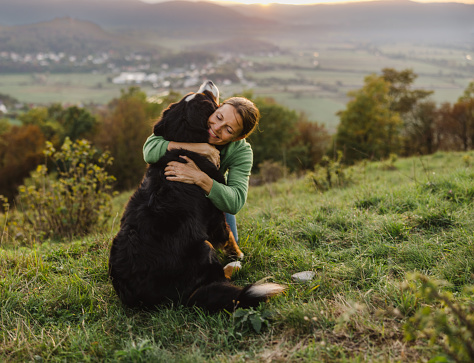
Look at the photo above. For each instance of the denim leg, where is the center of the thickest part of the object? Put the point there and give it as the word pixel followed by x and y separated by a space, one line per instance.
pixel 232 222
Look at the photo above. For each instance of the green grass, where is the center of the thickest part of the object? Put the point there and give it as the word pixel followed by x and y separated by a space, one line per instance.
pixel 57 303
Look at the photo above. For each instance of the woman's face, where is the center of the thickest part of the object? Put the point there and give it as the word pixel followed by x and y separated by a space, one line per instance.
pixel 225 125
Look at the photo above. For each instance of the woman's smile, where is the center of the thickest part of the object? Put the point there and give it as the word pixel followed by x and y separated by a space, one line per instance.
pixel 225 125
pixel 212 134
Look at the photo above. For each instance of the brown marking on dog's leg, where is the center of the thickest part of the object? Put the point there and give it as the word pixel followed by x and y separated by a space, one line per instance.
pixel 230 268
pixel 231 247
pixel 209 244
pixel 211 250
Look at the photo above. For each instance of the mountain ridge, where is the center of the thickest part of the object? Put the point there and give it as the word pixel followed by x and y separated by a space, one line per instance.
pixel 360 21
pixel 69 35
pixel 128 13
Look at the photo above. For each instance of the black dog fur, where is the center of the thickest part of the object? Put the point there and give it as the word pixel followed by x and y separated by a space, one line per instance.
pixel 164 251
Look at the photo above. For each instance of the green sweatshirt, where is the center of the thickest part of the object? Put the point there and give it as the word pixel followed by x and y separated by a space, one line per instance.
pixel 236 163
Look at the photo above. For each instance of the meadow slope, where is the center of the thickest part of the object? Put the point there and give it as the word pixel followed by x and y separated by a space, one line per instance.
pixel 362 241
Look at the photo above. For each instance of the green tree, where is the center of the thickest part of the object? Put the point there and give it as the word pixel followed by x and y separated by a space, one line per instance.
pixel 57 123
pixel 77 123
pixel 123 130
pixel 5 125
pixel 273 138
pixel 410 103
pixel 368 127
pixel 50 128
pixel 309 145
pixel 466 103
pixel 422 129
pixel 456 122
pixel 403 97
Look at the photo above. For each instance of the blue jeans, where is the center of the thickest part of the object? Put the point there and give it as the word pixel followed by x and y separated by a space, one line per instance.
pixel 232 222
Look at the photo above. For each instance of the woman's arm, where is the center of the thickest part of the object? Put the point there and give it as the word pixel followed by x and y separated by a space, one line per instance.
pixel 156 146
pixel 231 197
pixel 237 158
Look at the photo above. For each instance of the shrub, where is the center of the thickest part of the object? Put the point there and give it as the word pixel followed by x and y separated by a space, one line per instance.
pixel 329 174
pixel 444 321
pixel 271 171
pixel 389 163
pixel 74 203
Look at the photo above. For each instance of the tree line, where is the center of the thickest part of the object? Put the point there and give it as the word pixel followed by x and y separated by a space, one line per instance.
pixel 389 116
pixel 386 116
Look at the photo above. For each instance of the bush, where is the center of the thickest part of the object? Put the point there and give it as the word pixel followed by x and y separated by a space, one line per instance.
pixel 329 174
pixel 73 204
pixel 443 321
pixel 271 171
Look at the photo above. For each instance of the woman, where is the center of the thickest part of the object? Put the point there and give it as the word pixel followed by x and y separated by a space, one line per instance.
pixel 227 148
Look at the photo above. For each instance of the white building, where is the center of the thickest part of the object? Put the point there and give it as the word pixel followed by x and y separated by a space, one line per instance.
pixel 130 78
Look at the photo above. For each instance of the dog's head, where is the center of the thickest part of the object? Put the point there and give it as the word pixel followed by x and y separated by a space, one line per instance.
pixel 186 120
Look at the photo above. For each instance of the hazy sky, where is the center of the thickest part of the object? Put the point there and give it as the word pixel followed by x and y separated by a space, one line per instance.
pixel 265 2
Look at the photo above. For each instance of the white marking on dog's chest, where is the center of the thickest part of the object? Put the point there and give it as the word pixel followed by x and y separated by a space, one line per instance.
pixel 190 97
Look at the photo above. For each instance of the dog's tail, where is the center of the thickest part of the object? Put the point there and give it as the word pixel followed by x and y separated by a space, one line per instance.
pixel 223 295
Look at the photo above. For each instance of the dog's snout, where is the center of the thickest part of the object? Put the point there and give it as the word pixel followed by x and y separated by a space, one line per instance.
pixel 211 87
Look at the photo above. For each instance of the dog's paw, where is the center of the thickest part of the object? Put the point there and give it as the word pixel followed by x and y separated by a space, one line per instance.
pixel 231 267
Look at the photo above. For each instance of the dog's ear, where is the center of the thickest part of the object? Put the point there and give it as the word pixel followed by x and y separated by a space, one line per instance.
pixel 170 119
pixel 198 112
pixel 159 128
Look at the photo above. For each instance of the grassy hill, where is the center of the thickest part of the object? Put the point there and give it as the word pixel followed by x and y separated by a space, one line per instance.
pixel 68 35
pixel 362 241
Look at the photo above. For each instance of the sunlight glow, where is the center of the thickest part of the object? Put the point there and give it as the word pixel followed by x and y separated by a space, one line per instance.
pixel 305 2
pixel 310 2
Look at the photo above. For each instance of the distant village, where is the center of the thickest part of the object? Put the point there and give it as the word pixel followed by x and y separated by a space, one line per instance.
pixel 133 68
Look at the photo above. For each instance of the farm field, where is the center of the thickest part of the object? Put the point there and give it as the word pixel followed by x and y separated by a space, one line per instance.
pixel 313 78
pixel 72 88
pixel 363 242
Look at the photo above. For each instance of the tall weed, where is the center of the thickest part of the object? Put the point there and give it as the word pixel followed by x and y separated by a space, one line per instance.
pixel 330 174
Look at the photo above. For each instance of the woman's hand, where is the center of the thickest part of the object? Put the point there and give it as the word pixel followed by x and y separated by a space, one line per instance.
pixel 207 150
pixel 212 154
pixel 188 173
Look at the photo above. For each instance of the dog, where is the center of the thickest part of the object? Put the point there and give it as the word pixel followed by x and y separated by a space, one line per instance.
pixel 165 250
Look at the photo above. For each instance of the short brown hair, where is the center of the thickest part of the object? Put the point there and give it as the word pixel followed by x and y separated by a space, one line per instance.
pixel 247 111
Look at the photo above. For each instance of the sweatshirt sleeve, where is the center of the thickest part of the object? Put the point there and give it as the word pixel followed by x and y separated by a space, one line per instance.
pixel 154 148
pixel 231 198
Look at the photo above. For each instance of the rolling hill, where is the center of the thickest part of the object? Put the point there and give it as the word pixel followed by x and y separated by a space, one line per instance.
pixel 367 21
pixel 177 15
pixel 67 35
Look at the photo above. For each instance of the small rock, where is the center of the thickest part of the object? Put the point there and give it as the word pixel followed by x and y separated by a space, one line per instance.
pixel 304 276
